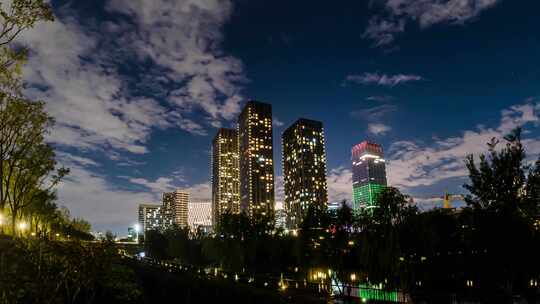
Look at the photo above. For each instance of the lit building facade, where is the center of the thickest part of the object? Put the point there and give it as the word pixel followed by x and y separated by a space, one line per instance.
pixel 334 206
pixel 304 169
pixel 369 174
pixel 225 174
pixel 256 159
pixel 199 215
pixel 150 217
pixel 281 219
pixel 175 208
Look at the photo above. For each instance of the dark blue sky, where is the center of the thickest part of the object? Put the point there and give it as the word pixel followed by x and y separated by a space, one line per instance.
pixel 139 87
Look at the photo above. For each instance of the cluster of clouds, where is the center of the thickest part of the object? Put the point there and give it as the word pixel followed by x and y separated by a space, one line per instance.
pixel 106 205
pixel 374 115
pixel 413 164
pixel 378 128
pixel 109 85
pixel 383 79
pixel 396 14
pixel 77 69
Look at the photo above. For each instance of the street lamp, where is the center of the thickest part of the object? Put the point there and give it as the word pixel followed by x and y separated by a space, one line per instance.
pixel 22 226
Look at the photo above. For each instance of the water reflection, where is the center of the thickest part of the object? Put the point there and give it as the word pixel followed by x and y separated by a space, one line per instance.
pixel 318 281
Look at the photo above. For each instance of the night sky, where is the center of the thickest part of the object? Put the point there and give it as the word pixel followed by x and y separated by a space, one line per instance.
pixel 138 88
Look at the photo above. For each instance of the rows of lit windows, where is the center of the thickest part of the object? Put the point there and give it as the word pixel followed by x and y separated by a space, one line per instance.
pixel 226 184
pixel 257 170
pixel 304 168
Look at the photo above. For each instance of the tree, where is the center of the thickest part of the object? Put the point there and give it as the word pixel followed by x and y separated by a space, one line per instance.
pixel 25 160
pixel 393 208
pixel 532 191
pixel 499 183
pixel 155 244
pixel 504 200
pixel 17 16
pixel 344 217
pixel 81 225
pixel 42 211
pixel 380 238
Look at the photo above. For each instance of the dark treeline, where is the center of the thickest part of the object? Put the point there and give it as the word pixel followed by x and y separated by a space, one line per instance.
pixel 43 271
pixel 489 249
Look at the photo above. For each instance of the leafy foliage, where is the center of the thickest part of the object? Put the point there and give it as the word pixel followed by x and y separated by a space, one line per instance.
pixel 37 271
pixel 28 170
pixel 17 16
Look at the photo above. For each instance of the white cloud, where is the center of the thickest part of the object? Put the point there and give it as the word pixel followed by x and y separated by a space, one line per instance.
pixel 383 98
pixel 374 113
pixel 75 69
pixel 85 99
pixel 413 164
pixel 383 31
pixel 202 191
pixel 383 79
pixel 90 195
pixel 63 157
pixel 160 185
pixel 339 182
pixel 277 123
pixel 383 28
pixel 378 128
pixel 183 38
pixel 179 74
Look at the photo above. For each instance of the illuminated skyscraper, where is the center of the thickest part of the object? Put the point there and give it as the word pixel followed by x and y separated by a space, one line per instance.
pixel 199 215
pixel 281 218
pixel 150 217
pixel 256 159
pixel 369 174
pixel 175 207
pixel 304 169
pixel 225 174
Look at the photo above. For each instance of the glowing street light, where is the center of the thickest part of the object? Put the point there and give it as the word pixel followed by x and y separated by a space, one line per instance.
pixel 22 226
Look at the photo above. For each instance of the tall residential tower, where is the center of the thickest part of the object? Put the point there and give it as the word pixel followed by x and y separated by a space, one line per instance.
pixel 369 174
pixel 256 159
pixel 175 207
pixel 225 174
pixel 304 169
pixel 150 217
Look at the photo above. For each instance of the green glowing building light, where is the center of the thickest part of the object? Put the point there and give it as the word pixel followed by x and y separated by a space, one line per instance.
pixel 366 195
pixel 378 294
